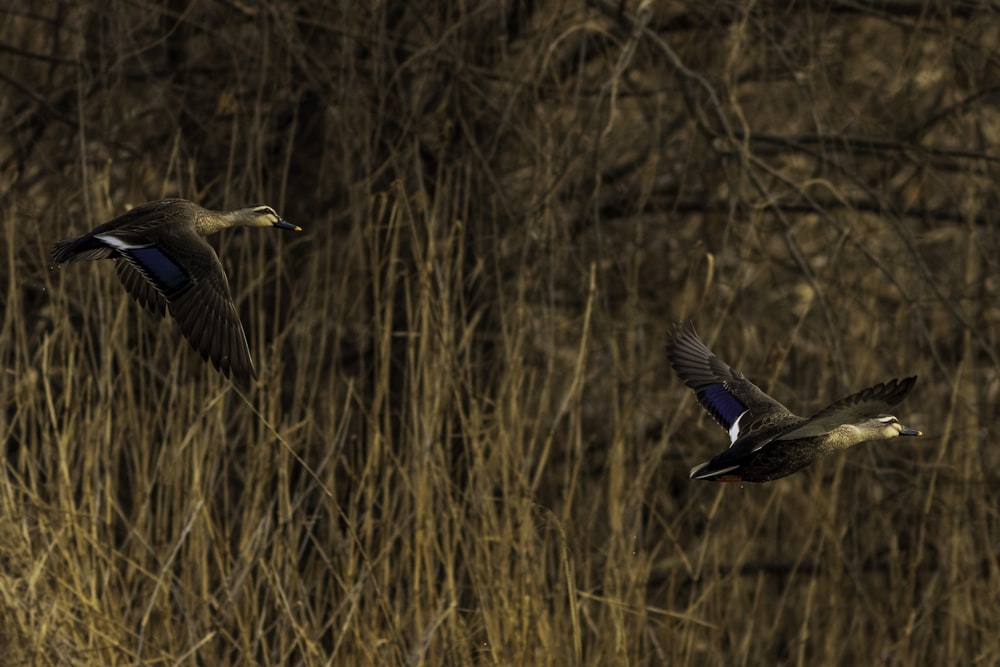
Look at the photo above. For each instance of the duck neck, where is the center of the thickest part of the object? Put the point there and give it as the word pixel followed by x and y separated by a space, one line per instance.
pixel 842 437
pixel 209 222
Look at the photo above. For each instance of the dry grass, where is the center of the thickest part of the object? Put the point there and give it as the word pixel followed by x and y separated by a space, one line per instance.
pixel 466 446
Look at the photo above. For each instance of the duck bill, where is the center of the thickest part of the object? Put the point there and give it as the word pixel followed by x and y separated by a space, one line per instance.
pixel 910 431
pixel 284 224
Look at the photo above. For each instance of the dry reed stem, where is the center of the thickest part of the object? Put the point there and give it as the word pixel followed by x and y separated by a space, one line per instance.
pixel 466 446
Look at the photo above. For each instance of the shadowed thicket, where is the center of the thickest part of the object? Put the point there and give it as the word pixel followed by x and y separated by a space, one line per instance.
pixel 466 445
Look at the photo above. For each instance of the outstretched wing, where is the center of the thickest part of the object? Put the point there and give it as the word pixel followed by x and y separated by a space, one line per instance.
pixel 732 400
pixel 865 404
pixel 141 289
pixel 182 272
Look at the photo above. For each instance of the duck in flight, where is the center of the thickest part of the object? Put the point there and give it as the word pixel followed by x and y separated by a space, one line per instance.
pixel 768 441
pixel 165 263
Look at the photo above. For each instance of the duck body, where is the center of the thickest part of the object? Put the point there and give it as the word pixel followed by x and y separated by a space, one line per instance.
pixel 767 440
pixel 164 262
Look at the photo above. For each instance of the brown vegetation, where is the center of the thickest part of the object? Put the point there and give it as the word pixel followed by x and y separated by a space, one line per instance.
pixel 466 446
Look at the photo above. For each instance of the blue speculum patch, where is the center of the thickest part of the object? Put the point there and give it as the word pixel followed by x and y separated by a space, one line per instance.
pixel 721 404
pixel 166 274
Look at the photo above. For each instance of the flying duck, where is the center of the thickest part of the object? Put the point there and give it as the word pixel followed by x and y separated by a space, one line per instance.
pixel 768 441
pixel 165 263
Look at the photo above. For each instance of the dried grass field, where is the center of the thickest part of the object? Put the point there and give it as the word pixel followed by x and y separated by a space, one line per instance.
pixel 466 445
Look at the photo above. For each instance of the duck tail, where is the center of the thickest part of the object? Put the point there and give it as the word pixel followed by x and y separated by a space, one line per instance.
pixel 81 248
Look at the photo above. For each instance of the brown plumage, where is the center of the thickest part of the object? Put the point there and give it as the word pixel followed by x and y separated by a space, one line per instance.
pixel 165 263
pixel 768 441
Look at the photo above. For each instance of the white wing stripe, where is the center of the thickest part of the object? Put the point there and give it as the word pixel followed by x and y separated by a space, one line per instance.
pixel 734 430
pixel 117 243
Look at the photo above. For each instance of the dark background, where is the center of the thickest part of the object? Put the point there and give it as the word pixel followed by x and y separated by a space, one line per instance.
pixel 466 445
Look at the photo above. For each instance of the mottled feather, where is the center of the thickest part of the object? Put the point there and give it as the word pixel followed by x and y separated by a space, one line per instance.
pixel 164 262
pixel 768 441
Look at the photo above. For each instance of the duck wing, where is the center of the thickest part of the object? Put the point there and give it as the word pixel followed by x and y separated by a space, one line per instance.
pixel 733 401
pixel 867 403
pixel 137 226
pixel 141 289
pixel 173 267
